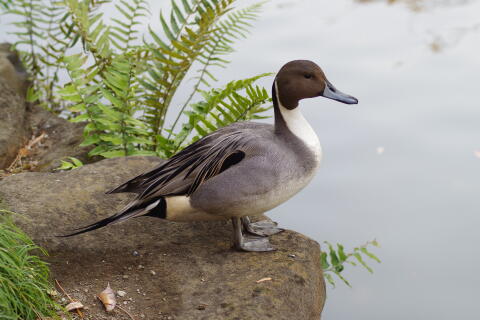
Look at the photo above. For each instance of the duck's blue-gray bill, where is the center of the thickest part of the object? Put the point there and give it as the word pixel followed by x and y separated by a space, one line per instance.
pixel 331 92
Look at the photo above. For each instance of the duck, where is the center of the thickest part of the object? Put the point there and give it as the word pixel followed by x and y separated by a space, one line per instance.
pixel 238 171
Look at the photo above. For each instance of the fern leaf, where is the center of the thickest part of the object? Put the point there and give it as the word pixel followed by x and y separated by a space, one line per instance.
pixel 222 107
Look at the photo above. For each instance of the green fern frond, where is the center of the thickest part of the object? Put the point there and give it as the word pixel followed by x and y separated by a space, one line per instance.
pixel 123 33
pixel 115 78
pixel 221 107
pixel 40 43
pixel 108 107
pixel 231 28
pixel 5 4
pixel 188 33
pixel 93 32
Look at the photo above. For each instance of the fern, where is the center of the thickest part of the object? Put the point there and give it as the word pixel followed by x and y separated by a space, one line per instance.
pixel 93 32
pixel 30 37
pixel 231 28
pixel 41 41
pixel 5 4
pixel 221 107
pixel 123 33
pixel 117 77
pixel 172 62
pixel 108 106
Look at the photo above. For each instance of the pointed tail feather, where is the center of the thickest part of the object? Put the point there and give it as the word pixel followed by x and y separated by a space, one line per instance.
pixel 155 208
pixel 126 187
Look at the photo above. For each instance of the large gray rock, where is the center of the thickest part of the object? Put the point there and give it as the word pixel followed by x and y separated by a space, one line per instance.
pixel 13 83
pixel 19 122
pixel 177 270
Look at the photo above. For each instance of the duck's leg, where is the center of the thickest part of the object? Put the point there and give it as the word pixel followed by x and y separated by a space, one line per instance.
pixel 262 228
pixel 248 242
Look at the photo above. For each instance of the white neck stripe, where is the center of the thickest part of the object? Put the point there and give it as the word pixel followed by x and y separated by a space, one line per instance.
pixel 299 126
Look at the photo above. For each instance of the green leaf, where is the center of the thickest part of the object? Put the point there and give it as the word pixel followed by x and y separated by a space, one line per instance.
pixel 65 165
pixel 166 28
pixel 369 254
pixel 80 118
pixel 76 162
pixel 91 139
pixel 341 253
pixel 114 139
pixel 113 154
pixel 329 279
pixel 324 260
pixel 360 260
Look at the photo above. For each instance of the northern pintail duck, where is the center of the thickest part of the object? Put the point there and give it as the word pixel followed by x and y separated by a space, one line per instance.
pixel 241 170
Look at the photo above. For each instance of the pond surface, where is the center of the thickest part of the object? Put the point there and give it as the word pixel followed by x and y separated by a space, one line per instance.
pixel 403 166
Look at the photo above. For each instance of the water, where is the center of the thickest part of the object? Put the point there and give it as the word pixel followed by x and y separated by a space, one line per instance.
pixel 416 74
pixel 403 165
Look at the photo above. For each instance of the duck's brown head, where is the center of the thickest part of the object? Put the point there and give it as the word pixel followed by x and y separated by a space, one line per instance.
pixel 301 79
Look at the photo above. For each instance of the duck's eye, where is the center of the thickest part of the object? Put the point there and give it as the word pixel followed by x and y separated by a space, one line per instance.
pixel 308 76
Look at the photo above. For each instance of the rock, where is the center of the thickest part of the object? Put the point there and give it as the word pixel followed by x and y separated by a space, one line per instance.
pixel 12 70
pixel 121 293
pixel 194 263
pixel 20 122
pixel 13 82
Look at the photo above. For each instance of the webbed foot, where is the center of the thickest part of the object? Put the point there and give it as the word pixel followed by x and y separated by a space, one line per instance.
pixel 249 242
pixel 262 228
pixel 252 243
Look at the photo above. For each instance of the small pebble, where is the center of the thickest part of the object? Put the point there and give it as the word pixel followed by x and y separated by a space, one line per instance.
pixel 140 266
pixel 153 272
pixel 86 290
pixel 135 253
pixel 125 277
pixel 121 293
pixel 292 256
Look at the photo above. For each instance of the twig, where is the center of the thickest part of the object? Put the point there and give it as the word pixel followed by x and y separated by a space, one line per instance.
pixel 128 313
pixel 70 298
pixel 25 150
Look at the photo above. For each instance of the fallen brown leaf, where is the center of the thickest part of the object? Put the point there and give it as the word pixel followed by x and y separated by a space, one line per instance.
pixel 68 296
pixel 74 306
pixel 107 297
